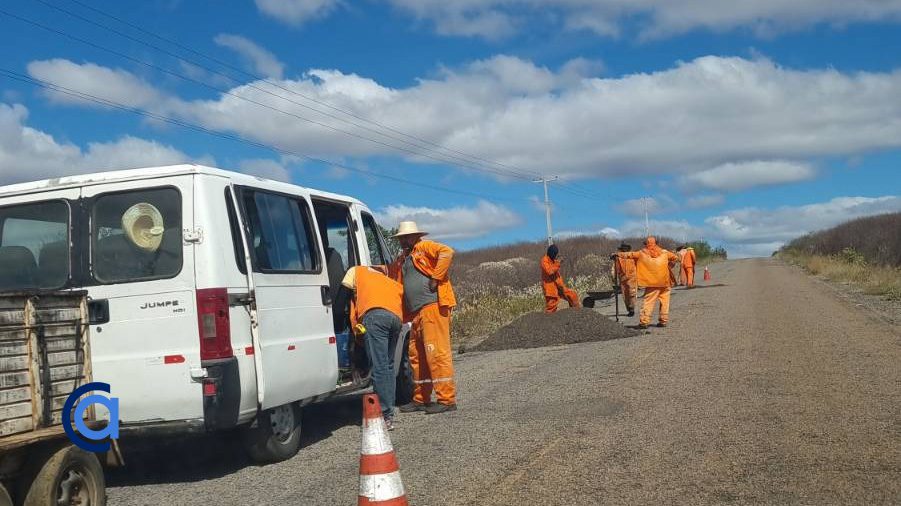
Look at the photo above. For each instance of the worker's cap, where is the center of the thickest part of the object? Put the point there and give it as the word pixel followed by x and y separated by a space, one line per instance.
pixel 408 228
pixel 625 247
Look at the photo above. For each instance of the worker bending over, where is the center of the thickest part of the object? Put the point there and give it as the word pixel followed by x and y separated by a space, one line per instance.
pixel 624 271
pixel 376 309
pixel 552 282
pixel 688 259
pixel 654 273
pixel 422 268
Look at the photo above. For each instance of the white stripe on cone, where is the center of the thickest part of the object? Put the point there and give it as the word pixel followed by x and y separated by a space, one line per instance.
pixel 381 487
pixel 375 437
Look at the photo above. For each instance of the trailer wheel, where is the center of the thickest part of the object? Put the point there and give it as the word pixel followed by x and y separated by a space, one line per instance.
pixel 69 476
pixel 404 383
pixel 276 437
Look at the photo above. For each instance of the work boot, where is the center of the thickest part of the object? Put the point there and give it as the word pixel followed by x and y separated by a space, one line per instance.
pixel 661 325
pixel 389 422
pixel 643 326
pixel 410 407
pixel 436 408
pixel 631 313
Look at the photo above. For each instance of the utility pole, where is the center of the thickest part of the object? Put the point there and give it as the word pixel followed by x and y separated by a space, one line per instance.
pixel 647 224
pixel 547 207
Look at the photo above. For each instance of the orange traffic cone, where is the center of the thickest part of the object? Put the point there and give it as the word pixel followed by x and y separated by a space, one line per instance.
pixel 706 273
pixel 379 473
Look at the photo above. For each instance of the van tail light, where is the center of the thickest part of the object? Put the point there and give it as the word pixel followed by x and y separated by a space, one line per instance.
pixel 213 324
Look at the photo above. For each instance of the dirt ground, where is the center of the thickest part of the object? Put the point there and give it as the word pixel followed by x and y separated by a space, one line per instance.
pixel 566 326
pixel 766 388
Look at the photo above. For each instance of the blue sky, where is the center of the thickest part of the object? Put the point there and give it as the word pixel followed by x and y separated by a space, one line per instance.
pixel 746 126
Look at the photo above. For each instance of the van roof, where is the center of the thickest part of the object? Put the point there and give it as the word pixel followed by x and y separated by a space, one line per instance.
pixel 118 176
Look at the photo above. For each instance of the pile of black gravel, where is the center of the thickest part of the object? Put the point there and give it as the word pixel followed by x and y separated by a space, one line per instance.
pixel 566 326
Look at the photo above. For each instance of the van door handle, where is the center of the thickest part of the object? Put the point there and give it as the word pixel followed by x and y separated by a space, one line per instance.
pixel 326 295
pixel 98 311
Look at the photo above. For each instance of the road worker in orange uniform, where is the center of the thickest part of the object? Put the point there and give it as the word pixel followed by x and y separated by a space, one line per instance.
pixel 625 271
pixel 688 259
pixel 422 268
pixel 552 282
pixel 654 272
pixel 376 309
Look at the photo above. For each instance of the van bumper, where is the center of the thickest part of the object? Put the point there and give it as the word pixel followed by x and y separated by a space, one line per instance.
pixel 222 400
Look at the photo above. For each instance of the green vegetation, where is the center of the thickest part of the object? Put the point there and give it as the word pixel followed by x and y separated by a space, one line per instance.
pixel 708 254
pixel 864 253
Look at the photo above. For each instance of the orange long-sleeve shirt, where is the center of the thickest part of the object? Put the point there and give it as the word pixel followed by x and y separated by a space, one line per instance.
pixel 652 272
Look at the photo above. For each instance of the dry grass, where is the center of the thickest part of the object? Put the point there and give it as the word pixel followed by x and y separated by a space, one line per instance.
pixel 850 268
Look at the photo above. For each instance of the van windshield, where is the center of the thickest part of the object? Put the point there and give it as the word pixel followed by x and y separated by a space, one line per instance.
pixel 34 246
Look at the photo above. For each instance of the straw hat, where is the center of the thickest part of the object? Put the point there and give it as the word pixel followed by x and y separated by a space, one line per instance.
pixel 408 228
pixel 143 225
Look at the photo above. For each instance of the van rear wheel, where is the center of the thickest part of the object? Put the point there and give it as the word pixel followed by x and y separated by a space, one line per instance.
pixel 276 436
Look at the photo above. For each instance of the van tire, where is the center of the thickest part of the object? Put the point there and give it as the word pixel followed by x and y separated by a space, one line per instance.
pixel 276 436
pixel 404 383
pixel 49 476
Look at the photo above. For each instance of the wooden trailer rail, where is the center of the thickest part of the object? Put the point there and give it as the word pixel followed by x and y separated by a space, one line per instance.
pixel 44 355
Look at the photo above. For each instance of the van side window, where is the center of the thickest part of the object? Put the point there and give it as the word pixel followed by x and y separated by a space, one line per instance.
pixel 34 246
pixel 378 252
pixel 281 233
pixel 137 236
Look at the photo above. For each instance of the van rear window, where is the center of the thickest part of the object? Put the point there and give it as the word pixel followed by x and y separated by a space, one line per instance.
pixel 137 236
pixel 34 246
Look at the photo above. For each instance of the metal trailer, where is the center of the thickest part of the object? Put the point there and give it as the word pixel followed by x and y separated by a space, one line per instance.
pixel 44 355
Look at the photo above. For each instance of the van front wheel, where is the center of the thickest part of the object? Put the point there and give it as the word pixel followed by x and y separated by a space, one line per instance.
pixel 276 436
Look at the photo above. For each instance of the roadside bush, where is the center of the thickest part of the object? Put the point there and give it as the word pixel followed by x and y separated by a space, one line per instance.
pixel 877 239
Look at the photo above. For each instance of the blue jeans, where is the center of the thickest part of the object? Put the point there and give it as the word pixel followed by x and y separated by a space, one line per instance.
pixel 382 331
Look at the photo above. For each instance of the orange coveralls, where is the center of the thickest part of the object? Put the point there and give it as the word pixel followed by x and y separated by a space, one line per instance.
pixel 431 357
pixel 688 259
pixel 553 286
pixel 625 270
pixel 655 275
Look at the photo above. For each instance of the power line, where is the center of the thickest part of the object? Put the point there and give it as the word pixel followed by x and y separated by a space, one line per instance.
pixel 249 100
pixel 10 74
pixel 268 81
pixel 465 163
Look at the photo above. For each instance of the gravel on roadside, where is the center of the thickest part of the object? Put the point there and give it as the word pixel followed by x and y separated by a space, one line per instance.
pixel 566 326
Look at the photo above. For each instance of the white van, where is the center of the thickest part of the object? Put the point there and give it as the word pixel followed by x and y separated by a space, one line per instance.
pixel 210 292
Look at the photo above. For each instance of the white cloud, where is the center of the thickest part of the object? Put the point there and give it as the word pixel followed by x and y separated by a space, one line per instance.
pixel 453 223
pixel 654 205
pixel 654 18
pixel 608 232
pixel 519 114
pixel 744 175
pixel 296 12
pixel 260 59
pixel 680 230
pixel 755 226
pixel 265 168
pixel 28 154
pixel 115 85
pixel 702 201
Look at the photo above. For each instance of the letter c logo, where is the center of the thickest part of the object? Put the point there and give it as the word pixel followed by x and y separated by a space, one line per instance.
pixel 85 434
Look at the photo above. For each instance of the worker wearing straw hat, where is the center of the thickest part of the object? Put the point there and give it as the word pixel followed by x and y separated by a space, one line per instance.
pixel 422 268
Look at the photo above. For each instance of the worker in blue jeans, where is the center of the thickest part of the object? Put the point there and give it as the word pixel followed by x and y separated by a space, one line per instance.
pixel 376 308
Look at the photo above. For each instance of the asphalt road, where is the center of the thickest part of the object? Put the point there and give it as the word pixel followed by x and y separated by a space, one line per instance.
pixel 765 389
